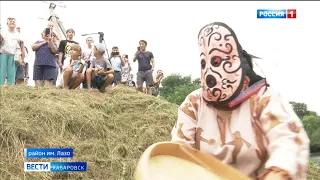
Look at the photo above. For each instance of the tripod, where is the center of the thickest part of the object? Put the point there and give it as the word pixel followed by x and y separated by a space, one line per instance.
pixel 101 39
pixel 59 28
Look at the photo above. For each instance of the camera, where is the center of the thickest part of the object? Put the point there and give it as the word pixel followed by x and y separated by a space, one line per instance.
pixel 47 31
pixel 115 53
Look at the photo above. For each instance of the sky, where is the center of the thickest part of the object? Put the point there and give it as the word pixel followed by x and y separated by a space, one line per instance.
pixel 171 29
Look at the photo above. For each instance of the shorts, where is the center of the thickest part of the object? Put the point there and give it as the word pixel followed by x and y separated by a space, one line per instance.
pixel 117 77
pixel 155 91
pixel 97 81
pixel 145 76
pixel 44 72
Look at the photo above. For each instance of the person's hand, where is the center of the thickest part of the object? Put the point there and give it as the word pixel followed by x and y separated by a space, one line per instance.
pixel 137 53
pixel 22 64
pixel 100 72
pixel 49 37
pixel 96 70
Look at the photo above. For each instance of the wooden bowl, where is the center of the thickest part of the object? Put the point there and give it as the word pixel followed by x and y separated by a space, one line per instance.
pixel 174 161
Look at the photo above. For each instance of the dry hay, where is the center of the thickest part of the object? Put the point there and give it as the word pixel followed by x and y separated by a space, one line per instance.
pixel 314 171
pixel 109 131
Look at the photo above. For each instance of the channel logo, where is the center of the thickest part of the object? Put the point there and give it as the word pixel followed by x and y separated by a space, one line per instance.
pixel 276 14
pixel 55 166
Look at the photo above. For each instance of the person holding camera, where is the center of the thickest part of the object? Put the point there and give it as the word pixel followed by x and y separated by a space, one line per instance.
pixel 117 63
pixel 45 60
pixel 156 83
pixel 145 67
pixel 125 72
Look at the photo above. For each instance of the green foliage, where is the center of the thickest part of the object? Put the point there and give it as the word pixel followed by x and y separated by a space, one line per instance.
pixel 175 87
pixel 312 113
pixel 181 92
pixel 312 126
pixel 300 109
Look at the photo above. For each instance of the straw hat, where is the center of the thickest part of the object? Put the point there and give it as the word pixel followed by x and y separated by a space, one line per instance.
pixel 167 160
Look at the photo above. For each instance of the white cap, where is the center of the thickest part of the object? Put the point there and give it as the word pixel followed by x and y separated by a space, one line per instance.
pixel 100 47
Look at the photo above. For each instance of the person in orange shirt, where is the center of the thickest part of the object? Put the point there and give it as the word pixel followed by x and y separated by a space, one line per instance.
pixel 237 117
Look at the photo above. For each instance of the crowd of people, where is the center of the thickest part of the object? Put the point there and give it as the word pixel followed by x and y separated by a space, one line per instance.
pixel 65 64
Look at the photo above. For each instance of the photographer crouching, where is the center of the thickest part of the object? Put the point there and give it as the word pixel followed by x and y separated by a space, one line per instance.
pixel 117 62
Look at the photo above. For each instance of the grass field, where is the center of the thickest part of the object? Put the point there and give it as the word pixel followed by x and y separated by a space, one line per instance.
pixel 109 131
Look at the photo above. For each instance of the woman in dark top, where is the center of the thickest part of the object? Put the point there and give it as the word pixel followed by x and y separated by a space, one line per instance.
pixel 45 61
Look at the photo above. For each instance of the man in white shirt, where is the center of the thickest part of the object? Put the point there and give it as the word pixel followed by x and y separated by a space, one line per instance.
pixel 117 63
pixel 88 56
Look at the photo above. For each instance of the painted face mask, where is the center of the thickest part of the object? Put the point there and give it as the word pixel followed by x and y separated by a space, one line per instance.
pixel 227 76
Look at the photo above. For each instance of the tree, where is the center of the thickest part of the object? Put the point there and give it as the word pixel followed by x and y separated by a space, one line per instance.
pixel 312 113
pixel 175 87
pixel 312 127
pixel 181 92
pixel 301 109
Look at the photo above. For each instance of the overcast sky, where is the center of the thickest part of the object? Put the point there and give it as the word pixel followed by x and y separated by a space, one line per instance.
pixel 171 29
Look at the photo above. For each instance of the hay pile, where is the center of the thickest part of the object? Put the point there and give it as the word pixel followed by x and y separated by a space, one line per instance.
pixel 109 131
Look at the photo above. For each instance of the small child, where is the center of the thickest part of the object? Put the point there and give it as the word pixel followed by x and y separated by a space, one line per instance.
pixel 73 69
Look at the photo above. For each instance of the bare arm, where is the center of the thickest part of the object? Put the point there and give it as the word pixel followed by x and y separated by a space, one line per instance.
pixel 122 61
pixel 104 73
pixel 129 66
pixel 73 62
pixel 35 47
pixel 152 63
pixel 135 56
pixel 60 57
pixel 22 51
pixel 53 47
pixel 155 80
